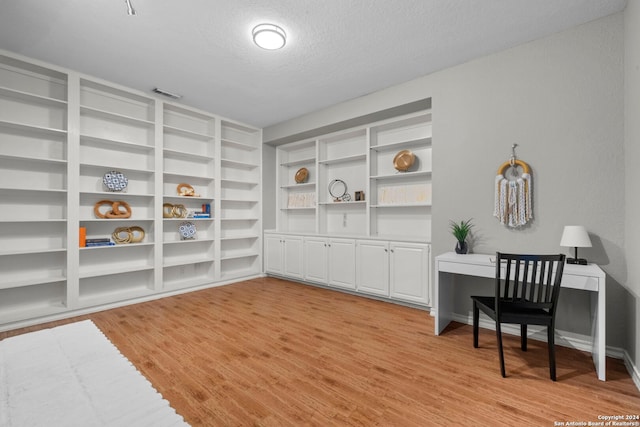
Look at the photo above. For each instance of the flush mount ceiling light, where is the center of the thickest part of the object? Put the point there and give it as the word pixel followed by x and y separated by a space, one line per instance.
pixel 269 36
pixel 130 9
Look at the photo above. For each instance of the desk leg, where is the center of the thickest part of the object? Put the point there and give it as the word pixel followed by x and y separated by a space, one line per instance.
pixel 598 327
pixel 443 300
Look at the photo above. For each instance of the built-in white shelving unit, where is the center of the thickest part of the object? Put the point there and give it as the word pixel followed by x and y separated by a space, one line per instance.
pixel 60 132
pixel 375 242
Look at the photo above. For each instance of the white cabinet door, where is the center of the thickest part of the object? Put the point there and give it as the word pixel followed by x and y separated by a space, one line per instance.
pixel 409 272
pixel 292 256
pixel 315 259
pixel 372 267
pixel 342 263
pixel 273 259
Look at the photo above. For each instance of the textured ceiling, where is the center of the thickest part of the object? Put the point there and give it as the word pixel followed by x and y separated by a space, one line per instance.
pixel 337 49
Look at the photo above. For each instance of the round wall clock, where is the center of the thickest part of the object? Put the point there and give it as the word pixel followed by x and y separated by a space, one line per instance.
pixel 187 230
pixel 115 181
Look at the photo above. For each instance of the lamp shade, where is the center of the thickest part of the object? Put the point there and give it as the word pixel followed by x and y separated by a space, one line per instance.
pixel 575 236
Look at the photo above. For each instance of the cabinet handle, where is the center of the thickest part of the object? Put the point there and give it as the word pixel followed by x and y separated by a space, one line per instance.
pixel 385 249
pixel 391 250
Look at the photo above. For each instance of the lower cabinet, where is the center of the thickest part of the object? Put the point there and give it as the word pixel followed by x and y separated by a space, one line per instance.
pixel 388 269
pixel 393 269
pixel 372 267
pixel 283 255
pixel 409 272
pixel 316 263
pixel 342 263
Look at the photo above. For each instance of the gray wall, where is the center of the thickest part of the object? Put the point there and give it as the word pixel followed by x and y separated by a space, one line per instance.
pixel 561 99
pixel 632 172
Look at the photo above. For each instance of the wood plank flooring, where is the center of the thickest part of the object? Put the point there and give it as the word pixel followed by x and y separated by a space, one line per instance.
pixel 268 352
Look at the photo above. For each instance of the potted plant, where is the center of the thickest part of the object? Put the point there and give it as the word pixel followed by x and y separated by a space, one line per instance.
pixel 461 232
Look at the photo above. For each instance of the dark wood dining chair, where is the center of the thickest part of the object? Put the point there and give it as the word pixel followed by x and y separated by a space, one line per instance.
pixel 526 293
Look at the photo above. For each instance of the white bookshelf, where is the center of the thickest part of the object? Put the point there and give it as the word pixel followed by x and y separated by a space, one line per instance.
pixel 60 132
pixel 359 245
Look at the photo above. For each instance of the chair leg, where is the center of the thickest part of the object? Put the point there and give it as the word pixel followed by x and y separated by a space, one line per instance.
pixel 523 337
pixel 552 352
pixel 476 316
pixel 500 352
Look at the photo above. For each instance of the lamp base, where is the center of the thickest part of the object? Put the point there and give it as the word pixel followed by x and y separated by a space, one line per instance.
pixel 580 261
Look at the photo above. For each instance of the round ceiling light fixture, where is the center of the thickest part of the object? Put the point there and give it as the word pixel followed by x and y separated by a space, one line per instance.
pixel 269 36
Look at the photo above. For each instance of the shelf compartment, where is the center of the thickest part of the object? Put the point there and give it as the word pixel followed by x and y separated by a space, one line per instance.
pixel 231 227
pixel 343 218
pixel 240 135
pixel 180 141
pixel 188 122
pixel 407 193
pixel 382 163
pixel 32 237
pixel 141 183
pixel 192 166
pixel 117 286
pixel 238 248
pixel 116 155
pixel 115 259
pixel 32 142
pixel 33 112
pixel 344 146
pixel 353 174
pixel 36 205
pixel 141 207
pixel 33 79
pixel 239 190
pixel 402 223
pixel 30 269
pixel 204 233
pixel 234 268
pixel 106 100
pixel 102 228
pixel 33 175
pixel 115 127
pixel 192 253
pixel 201 185
pixel 405 130
pixel 30 302
pixel 239 174
pixel 189 275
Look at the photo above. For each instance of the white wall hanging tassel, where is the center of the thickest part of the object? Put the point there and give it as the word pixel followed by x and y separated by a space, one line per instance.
pixel 513 197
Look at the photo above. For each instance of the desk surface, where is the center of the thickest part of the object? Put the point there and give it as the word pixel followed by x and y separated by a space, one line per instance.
pixel 585 277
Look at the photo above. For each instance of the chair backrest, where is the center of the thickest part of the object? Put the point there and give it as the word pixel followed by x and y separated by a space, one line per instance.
pixel 528 281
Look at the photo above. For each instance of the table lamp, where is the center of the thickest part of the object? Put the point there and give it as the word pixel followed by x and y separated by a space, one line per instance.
pixel 575 236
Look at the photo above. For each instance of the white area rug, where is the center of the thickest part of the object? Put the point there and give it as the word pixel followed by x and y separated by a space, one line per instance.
pixel 72 375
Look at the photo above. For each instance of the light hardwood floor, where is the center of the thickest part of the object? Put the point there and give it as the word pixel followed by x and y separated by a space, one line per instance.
pixel 269 352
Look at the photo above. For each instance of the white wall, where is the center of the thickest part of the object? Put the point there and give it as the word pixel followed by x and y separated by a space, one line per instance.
pixel 561 100
pixel 632 173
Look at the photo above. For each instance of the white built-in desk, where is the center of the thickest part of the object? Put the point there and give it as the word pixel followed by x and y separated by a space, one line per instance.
pixel 583 277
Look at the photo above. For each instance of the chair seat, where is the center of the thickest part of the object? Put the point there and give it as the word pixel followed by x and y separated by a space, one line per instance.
pixel 514 313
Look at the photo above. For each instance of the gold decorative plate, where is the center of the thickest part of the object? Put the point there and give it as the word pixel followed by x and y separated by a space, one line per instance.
pixel 302 175
pixel 404 160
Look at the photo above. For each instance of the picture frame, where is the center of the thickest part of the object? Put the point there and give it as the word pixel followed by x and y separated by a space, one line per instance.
pixel 359 196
